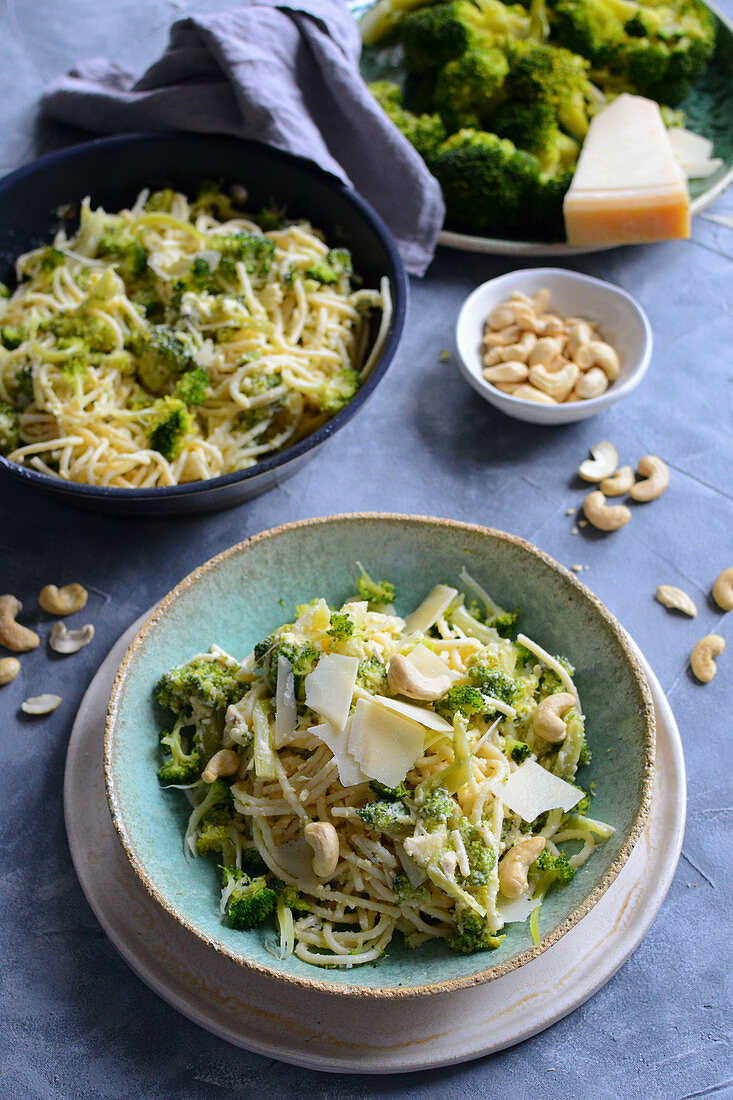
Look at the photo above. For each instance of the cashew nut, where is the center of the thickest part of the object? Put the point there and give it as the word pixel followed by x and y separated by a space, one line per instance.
pixel 324 841
pixel 70 641
pixel 63 601
pixel 405 679
pixel 513 867
pixel 619 483
pixel 505 387
pixel 606 358
pixel 591 384
pixel 723 589
pixel 541 300
pixel 520 350
pixel 531 393
pixel 676 599
pixel 558 383
pixel 9 669
pixel 511 371
pixel 40 704
pixel 578 334
pixel 549 324
pixel 502 336
pixel 656 476
pixel 602 464
pixel 547 722
pixel 544 351
pixel 702 658
pixel 12 635
pixel 605 518
pixel 223 762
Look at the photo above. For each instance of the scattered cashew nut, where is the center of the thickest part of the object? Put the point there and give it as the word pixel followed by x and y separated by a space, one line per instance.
pixel 12 635
pixel 405 679
pixel 63 601
pixel 223 762
pixel 723 590
pixel 603 462
pixel 702 658
pixel 513 867
pixel 40 704
pixel 605 517
pixel 70 641
pixel 547 722
pixel 324 841
pixel 9 669
pixel 619 483
pixel 676 599
pixel 656 479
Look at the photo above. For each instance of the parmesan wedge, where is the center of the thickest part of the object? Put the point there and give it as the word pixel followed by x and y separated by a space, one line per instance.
pixel 531 790
pixel 628 186
pixel 384 744
pixel 330 686
pixel 338 742
pixel 435 604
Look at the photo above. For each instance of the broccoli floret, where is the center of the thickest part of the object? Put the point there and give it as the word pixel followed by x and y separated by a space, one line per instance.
pixel 395 794
pixel 387 817
pixel 336 266
pixel 160 201
pixel 437 806
pixel 379 593
pixel 192 387
pixel 405 891
pixel 550 683
pixel 271 217
pixel 51 258
pixel 372 676
pixel 519 751
pixel 302 657
pixel 161 357
pixel 585 755
pixel 207 681
pixel 425 131
pixel 12 336
pixel 504 624
pixel 91 334
pixel 251 249
pixel 481 856
pixel 469 88
pixel 252 863
pixel 290 897
pixel 4 291
pixel 24 384
pixel 495 684
pixel 199 276
pixel 540 73
pixel 178 766
pixel 433 36
pixel 222 838
pixel 250 901
pixel 131 259
pixel 472 935
pixel 211 199
pixel 554 869
pixel 461 699
pixel 584 805
pixel 337 391
pixel 170 424
pixel 341 628
pixel 9 431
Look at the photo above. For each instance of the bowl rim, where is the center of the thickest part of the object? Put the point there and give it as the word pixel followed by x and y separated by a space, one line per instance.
pixel 489 973
pixel 395 272
pixel 506 401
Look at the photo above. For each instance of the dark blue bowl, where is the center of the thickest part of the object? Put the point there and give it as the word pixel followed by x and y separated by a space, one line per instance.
pixel 112 171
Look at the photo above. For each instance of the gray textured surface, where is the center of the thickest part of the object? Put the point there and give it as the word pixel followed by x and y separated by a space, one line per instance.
pixel 76 1021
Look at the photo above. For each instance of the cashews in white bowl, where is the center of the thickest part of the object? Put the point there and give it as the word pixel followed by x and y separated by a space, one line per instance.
pixel 620 319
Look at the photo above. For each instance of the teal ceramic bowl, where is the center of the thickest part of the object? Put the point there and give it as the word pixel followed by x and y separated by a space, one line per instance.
pixel 238 596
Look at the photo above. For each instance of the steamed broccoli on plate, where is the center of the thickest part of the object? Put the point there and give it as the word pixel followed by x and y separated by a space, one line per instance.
pixel 497 98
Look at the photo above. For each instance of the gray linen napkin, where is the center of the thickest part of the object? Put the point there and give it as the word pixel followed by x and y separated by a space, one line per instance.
pixel 285 74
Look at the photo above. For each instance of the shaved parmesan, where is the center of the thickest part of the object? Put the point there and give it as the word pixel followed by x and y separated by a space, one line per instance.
pixel 531 790
pixel 338 742
pixel 550 661
pixel 421 715
pixel 330 686
pixel 698 170
pixel 516 910
pixel 285 708
pixel 386 745
pixel 492 608
pixel 435 604
pixel 415 874
pixel 687 146
pixel 429 663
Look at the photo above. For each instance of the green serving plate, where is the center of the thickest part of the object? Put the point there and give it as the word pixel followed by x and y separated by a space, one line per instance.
pixel 239 596
pixel 708 109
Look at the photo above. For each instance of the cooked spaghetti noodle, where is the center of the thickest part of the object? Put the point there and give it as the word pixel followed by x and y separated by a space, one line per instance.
pixel 409 843
pixel 178 341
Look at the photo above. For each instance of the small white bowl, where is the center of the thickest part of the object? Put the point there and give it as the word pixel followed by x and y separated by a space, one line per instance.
pixel 620 318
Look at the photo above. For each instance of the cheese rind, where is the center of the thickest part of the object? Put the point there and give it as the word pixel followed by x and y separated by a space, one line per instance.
pixel 628 187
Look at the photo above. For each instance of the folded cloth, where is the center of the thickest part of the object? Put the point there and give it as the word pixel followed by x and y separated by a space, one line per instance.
pixel 285 74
